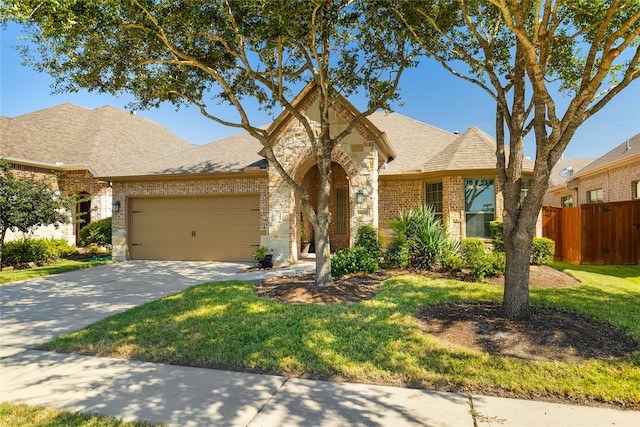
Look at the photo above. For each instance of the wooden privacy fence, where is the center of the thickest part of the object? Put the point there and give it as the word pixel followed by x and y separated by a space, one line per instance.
pixel 600 233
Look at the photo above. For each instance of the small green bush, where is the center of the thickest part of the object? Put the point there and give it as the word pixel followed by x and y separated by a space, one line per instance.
pixel 367 238
pixel 474 257
pixel 542 251
pixel 63 248
pixel 426 237
pixel 19 253
pixel 96 233
pixel 397 254
pixel 497 262
pixel 452 263
pixel 497 234
pixel 352 260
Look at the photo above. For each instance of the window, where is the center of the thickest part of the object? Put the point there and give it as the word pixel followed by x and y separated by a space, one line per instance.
pixel 636 189
pixel 433 196
pixel 595 196
pixel 341 211
pixel 567 201
pixel 479 206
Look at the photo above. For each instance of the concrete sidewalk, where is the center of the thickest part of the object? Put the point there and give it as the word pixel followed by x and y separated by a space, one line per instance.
pixel 34 311
pixel 183 396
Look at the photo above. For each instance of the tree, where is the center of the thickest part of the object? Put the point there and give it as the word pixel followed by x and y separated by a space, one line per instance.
pixel 27 203
pixel 206 52
pixel 525 55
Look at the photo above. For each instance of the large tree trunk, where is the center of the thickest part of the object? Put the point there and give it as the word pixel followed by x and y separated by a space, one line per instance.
pixel 517 244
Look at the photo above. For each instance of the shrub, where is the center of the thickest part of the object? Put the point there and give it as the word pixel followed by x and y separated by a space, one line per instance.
pixel 475 258
pixel 497 234
pixel 542 251
pixel 63 248
pixel 352 260
pixel 260 253
pixel 397 254
pixel 426 236
pixel 19 253
pixel 367 238
pixel 452 263
pixel 96 233
pixel 497 262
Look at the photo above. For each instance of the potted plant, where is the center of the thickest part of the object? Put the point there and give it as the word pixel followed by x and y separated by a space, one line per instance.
pixel 263 256
pixel 304 243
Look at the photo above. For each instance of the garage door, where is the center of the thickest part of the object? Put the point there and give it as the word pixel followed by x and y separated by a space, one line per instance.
pixel 220 228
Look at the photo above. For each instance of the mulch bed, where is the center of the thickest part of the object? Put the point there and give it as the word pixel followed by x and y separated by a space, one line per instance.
pixel 549 334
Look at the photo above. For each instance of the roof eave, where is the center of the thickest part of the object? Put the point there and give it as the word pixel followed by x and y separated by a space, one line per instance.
pixel 246 173
pixel 55 166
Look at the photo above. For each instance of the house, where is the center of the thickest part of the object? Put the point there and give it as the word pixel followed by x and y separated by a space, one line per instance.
pixel 221 200
pixel 70 146
pixel 614 177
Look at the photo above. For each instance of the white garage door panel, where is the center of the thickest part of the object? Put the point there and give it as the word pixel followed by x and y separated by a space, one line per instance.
pixel 220 228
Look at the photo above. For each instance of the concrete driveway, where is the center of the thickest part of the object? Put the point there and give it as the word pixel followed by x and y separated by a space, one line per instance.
pixel 35 311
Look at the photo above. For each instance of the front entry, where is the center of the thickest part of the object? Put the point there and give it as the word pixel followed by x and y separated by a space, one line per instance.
pixel 339 207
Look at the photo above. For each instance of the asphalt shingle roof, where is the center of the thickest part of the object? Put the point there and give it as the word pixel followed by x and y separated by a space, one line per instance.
pixel 412 140
pixel 627 148
pixel 231 154
pixel 104 138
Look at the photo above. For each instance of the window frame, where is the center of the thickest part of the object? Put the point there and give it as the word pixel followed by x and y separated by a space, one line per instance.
pixel 563 201
pixel 437 192
pixel 599 195
pixel 487 215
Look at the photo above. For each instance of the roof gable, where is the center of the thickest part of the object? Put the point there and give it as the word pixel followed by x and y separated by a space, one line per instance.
pixel 473 150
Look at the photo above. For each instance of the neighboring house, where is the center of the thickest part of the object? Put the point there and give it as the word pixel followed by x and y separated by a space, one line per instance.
pixel 70 146
pixel 221 200
pixel 614 177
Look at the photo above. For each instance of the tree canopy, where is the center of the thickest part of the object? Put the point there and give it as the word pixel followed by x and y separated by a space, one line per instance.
pixel 27 203
pixel 525 55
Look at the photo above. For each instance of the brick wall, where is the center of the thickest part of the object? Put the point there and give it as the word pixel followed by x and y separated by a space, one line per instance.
pixel 615 183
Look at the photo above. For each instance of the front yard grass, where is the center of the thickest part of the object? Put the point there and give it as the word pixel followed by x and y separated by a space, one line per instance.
pixel 224 325
pixel 9 276
pixel 21 415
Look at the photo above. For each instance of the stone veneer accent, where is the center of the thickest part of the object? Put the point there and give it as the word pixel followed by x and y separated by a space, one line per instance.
pixel 358 158
pixel 183 187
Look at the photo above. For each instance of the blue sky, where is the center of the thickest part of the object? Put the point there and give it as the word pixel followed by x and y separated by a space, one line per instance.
pixel 429 93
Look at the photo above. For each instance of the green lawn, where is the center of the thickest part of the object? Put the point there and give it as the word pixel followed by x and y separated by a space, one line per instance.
pixel 224 325
pixel 9 276
pixel 20 415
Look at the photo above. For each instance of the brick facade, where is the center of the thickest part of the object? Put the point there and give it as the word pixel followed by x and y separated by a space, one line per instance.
pixel 615 182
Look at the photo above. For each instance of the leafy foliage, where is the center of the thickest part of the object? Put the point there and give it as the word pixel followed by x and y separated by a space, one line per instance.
pixel 20 252
pixel 520 54
pixel 542 251
pixel 27 203
pixel 497 234
pixel 422 233
pixel 367 238
pixel 96 233
pixel 352 260
pixel 397 254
